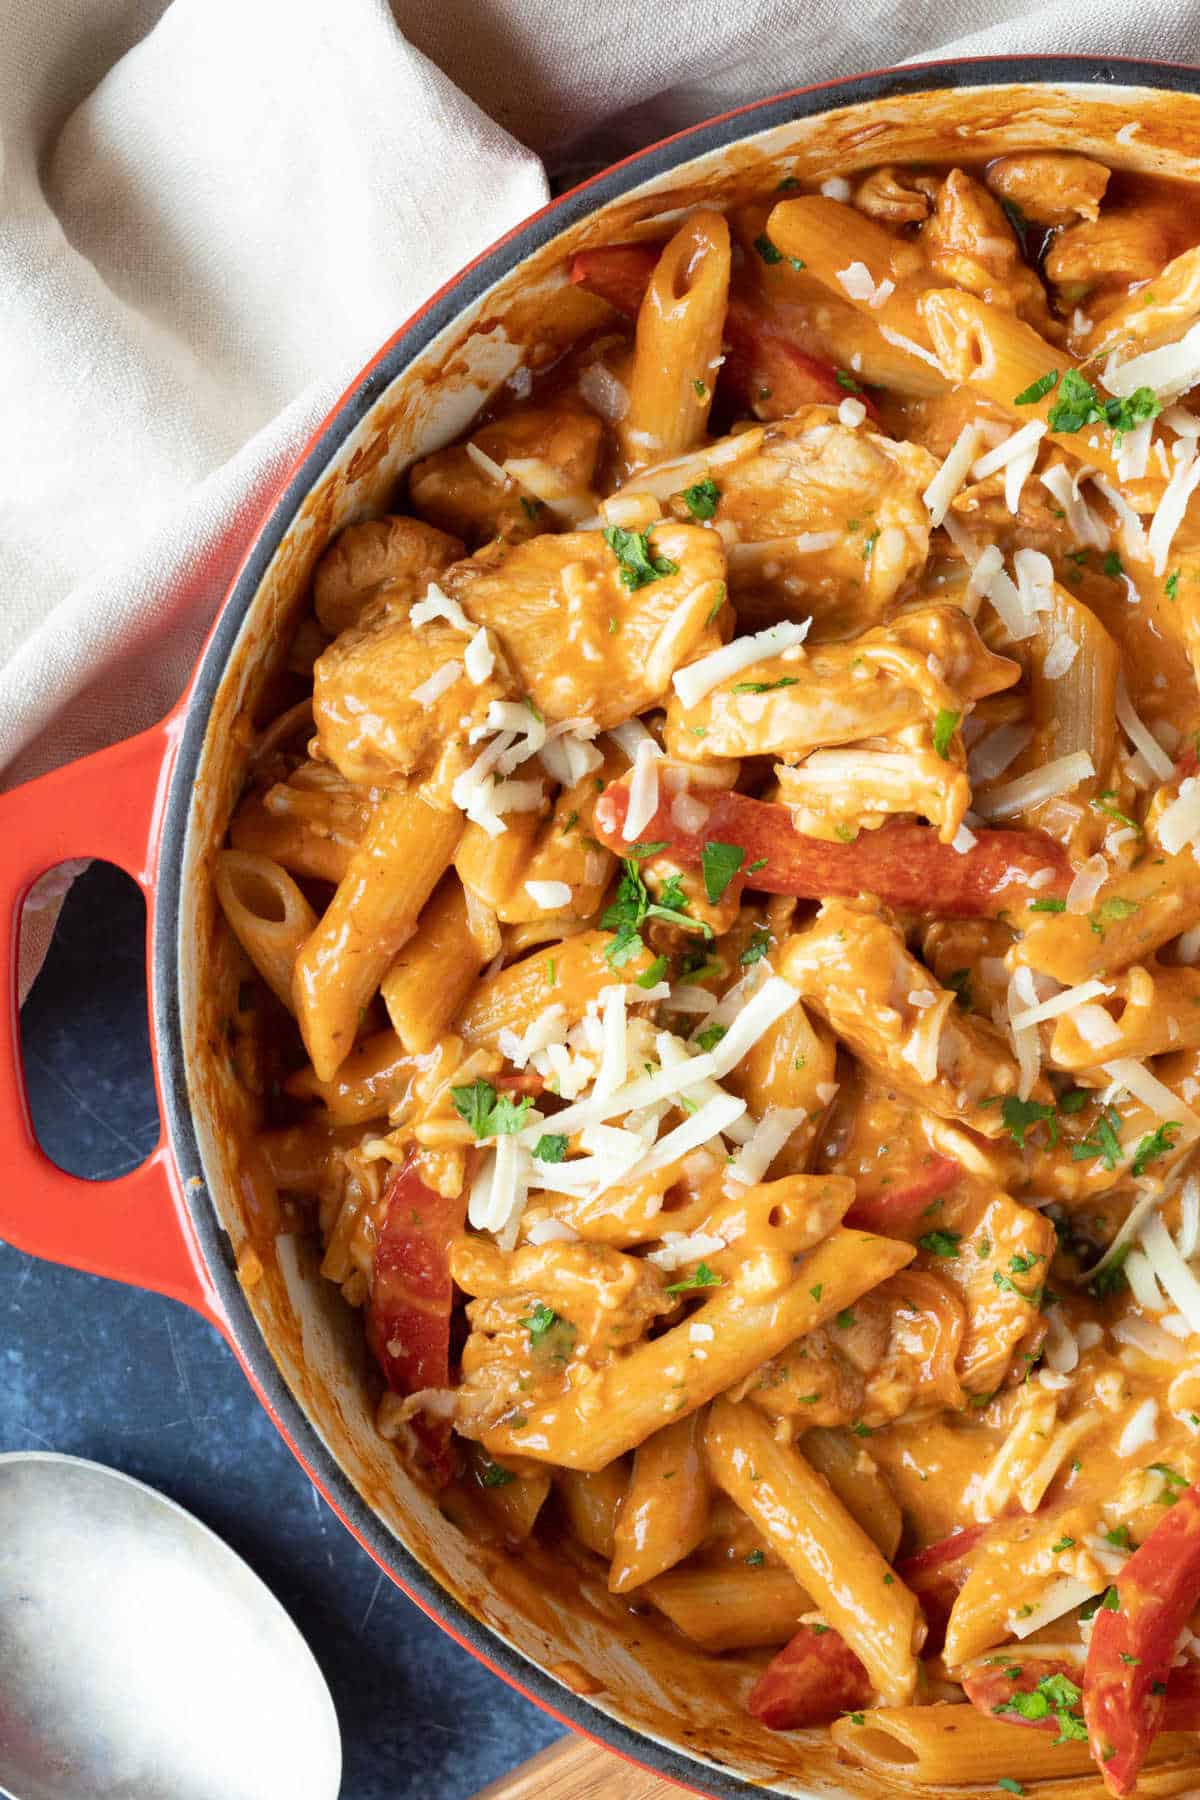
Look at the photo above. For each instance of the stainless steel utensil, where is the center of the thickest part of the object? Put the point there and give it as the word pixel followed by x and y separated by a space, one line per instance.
pixel 140 1659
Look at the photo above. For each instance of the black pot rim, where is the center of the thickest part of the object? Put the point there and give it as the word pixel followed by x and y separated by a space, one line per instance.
pixel 526 1676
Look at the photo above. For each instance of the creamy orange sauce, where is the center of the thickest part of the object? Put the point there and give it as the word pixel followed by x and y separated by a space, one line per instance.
pixel 900 1291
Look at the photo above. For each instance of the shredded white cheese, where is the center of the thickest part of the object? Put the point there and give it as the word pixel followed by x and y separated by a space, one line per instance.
pixel 479 659
pixel 1137 1079
pixel 1059 1003
pixel 851 412
pixel 1172 506
pixel 699 678
pixel 950 477
pixel 1053 778
pixel 643 790
pixel 1169 371
pixel 438 683
pixel 1018 445
pixel 1179 823
pixel 551 896
pixel 437 605
pixel 859 284
pixel 1140 1429
pixel 487 465
pixel 764 1144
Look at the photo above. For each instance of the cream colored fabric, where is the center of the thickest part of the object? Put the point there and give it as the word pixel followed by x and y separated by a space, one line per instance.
pixel 212 211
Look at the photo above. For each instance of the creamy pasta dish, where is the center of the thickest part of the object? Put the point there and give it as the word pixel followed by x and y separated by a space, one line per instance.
pixel 723 886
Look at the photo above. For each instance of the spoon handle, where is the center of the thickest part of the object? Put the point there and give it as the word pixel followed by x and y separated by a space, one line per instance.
pixel 575 1769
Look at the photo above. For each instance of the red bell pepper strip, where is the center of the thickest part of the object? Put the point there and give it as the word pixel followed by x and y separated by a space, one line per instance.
pixel 936 1575
pixel 764 368
pixel 412 1297
pixel 1132 1648
pixel 904 865
pixel 894 1211
pixel 813 1678
pixel 991 1686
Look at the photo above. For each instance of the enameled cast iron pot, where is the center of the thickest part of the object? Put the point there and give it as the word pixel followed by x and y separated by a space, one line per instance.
pixel 158 805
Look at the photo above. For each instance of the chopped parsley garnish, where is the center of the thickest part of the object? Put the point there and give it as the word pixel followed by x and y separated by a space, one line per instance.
pixel 653 975
pixel 1117 907
pixel 944 727
pixel 703 1278
pixel 817 1291
pixel 758 946
pixel 1112 565
pixel 719 863
pixel 1064 1543
pixel 959 980
pixel 710 1037
pixel 845 380
pixel 1074 1100
pixel 756 1559
pixel 1154 1145
pixel 786 185
pixel 1022 1264
pixel 1111 1278
pixel 1010 1785
pixel 759 863
pixel 551 1147
pixel 940 1243
pixel 488 1113
pixel 1171 589
pixel 1118 1537
pixel 1050 906
pixel 1020 1117
pixel 861 1430
pixel 1008 1286
pixel 638 563
pixel 700 389
pixel 1175 1482
pixel 765 687
pixel 1102 1140
pixel 1103 804
pixel 869 546
pixel 769 252
pixel 1079 405
pixel 844 1320
pixel 701 498
pixel 639 852
pixel 634 904
pixel 1055 1695
pixel 531 508
pixel 1037 390
pixel 856 1718
pixel 496 1477
pixel 539 1321
pixel 1108 1601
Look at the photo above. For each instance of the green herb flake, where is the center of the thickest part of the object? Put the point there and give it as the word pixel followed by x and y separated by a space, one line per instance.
pixel 844 1320
pixel 1118 1537
pixel 701 498
pixel 496 1477
pixel 1102 1140
pixel 845 380
pixel 765 687
pixel 756 1559
pixel 540 1321
pixel 1010 1785
pixel 1153 1145
pixel 487 1113
pixel 1048 906
pixel 1112 565
pixel 551 1147
pixel 654 974
pixel 703 1278
pixel 959 982
pixel 944 727
pixel 635 556
pixel 1063 1544
pixel 1078 405
pixel 769 252
pixel 1020 1117
pixel 1171 588
pixel 760 943
pixel 1037 390
pixel 719 863
pixel 940 1243
pixel 710 1037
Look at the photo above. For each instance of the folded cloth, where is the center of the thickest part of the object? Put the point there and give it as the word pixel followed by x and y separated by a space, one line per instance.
pixel 213 211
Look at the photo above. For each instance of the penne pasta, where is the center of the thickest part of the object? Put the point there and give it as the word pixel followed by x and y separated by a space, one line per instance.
pixel 731 1608
pixel 956 1746
pixel 267 914
pixel 432 975
pixel 810 1530
pixel 678 344
pixel 403 855
pixel 665 1514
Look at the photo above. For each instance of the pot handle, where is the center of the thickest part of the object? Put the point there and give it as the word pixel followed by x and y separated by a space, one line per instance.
pixel 134 1229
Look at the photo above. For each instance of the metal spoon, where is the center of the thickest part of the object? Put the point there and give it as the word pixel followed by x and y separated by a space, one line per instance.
pixel 140 1659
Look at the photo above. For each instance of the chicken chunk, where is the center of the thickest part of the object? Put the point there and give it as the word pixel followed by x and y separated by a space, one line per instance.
pixel 393 700
pixel 397 555
pixel 825 519
pixel 895 1349
pixel 541 1317
pixel 852 968
pixel 554 450
pixel 997 1253
pixel 928 660
pixel 592 631
pixel 835 794
pixel 971 244
pixel 895 196
pixel 1050 187
pixel 1113 250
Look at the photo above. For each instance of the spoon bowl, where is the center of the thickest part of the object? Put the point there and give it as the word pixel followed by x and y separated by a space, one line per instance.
pixel 140 1658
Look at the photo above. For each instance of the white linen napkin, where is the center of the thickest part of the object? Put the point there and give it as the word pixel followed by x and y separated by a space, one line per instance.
pixel 213 211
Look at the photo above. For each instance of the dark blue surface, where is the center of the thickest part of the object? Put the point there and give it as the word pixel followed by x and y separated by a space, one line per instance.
pixel 140 1383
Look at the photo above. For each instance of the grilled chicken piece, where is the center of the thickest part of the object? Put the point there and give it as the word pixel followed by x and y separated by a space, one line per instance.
pixel 375 720
pixel 397 555
pixel 457 491
pixel 854 493
pixel 997 1253
pixel 836 794
pixel 852 968
pixel 1114 250
pixel 1050 187
pixel 970 243
pixel 542 1316
pixel 927 660
pixel 581 642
